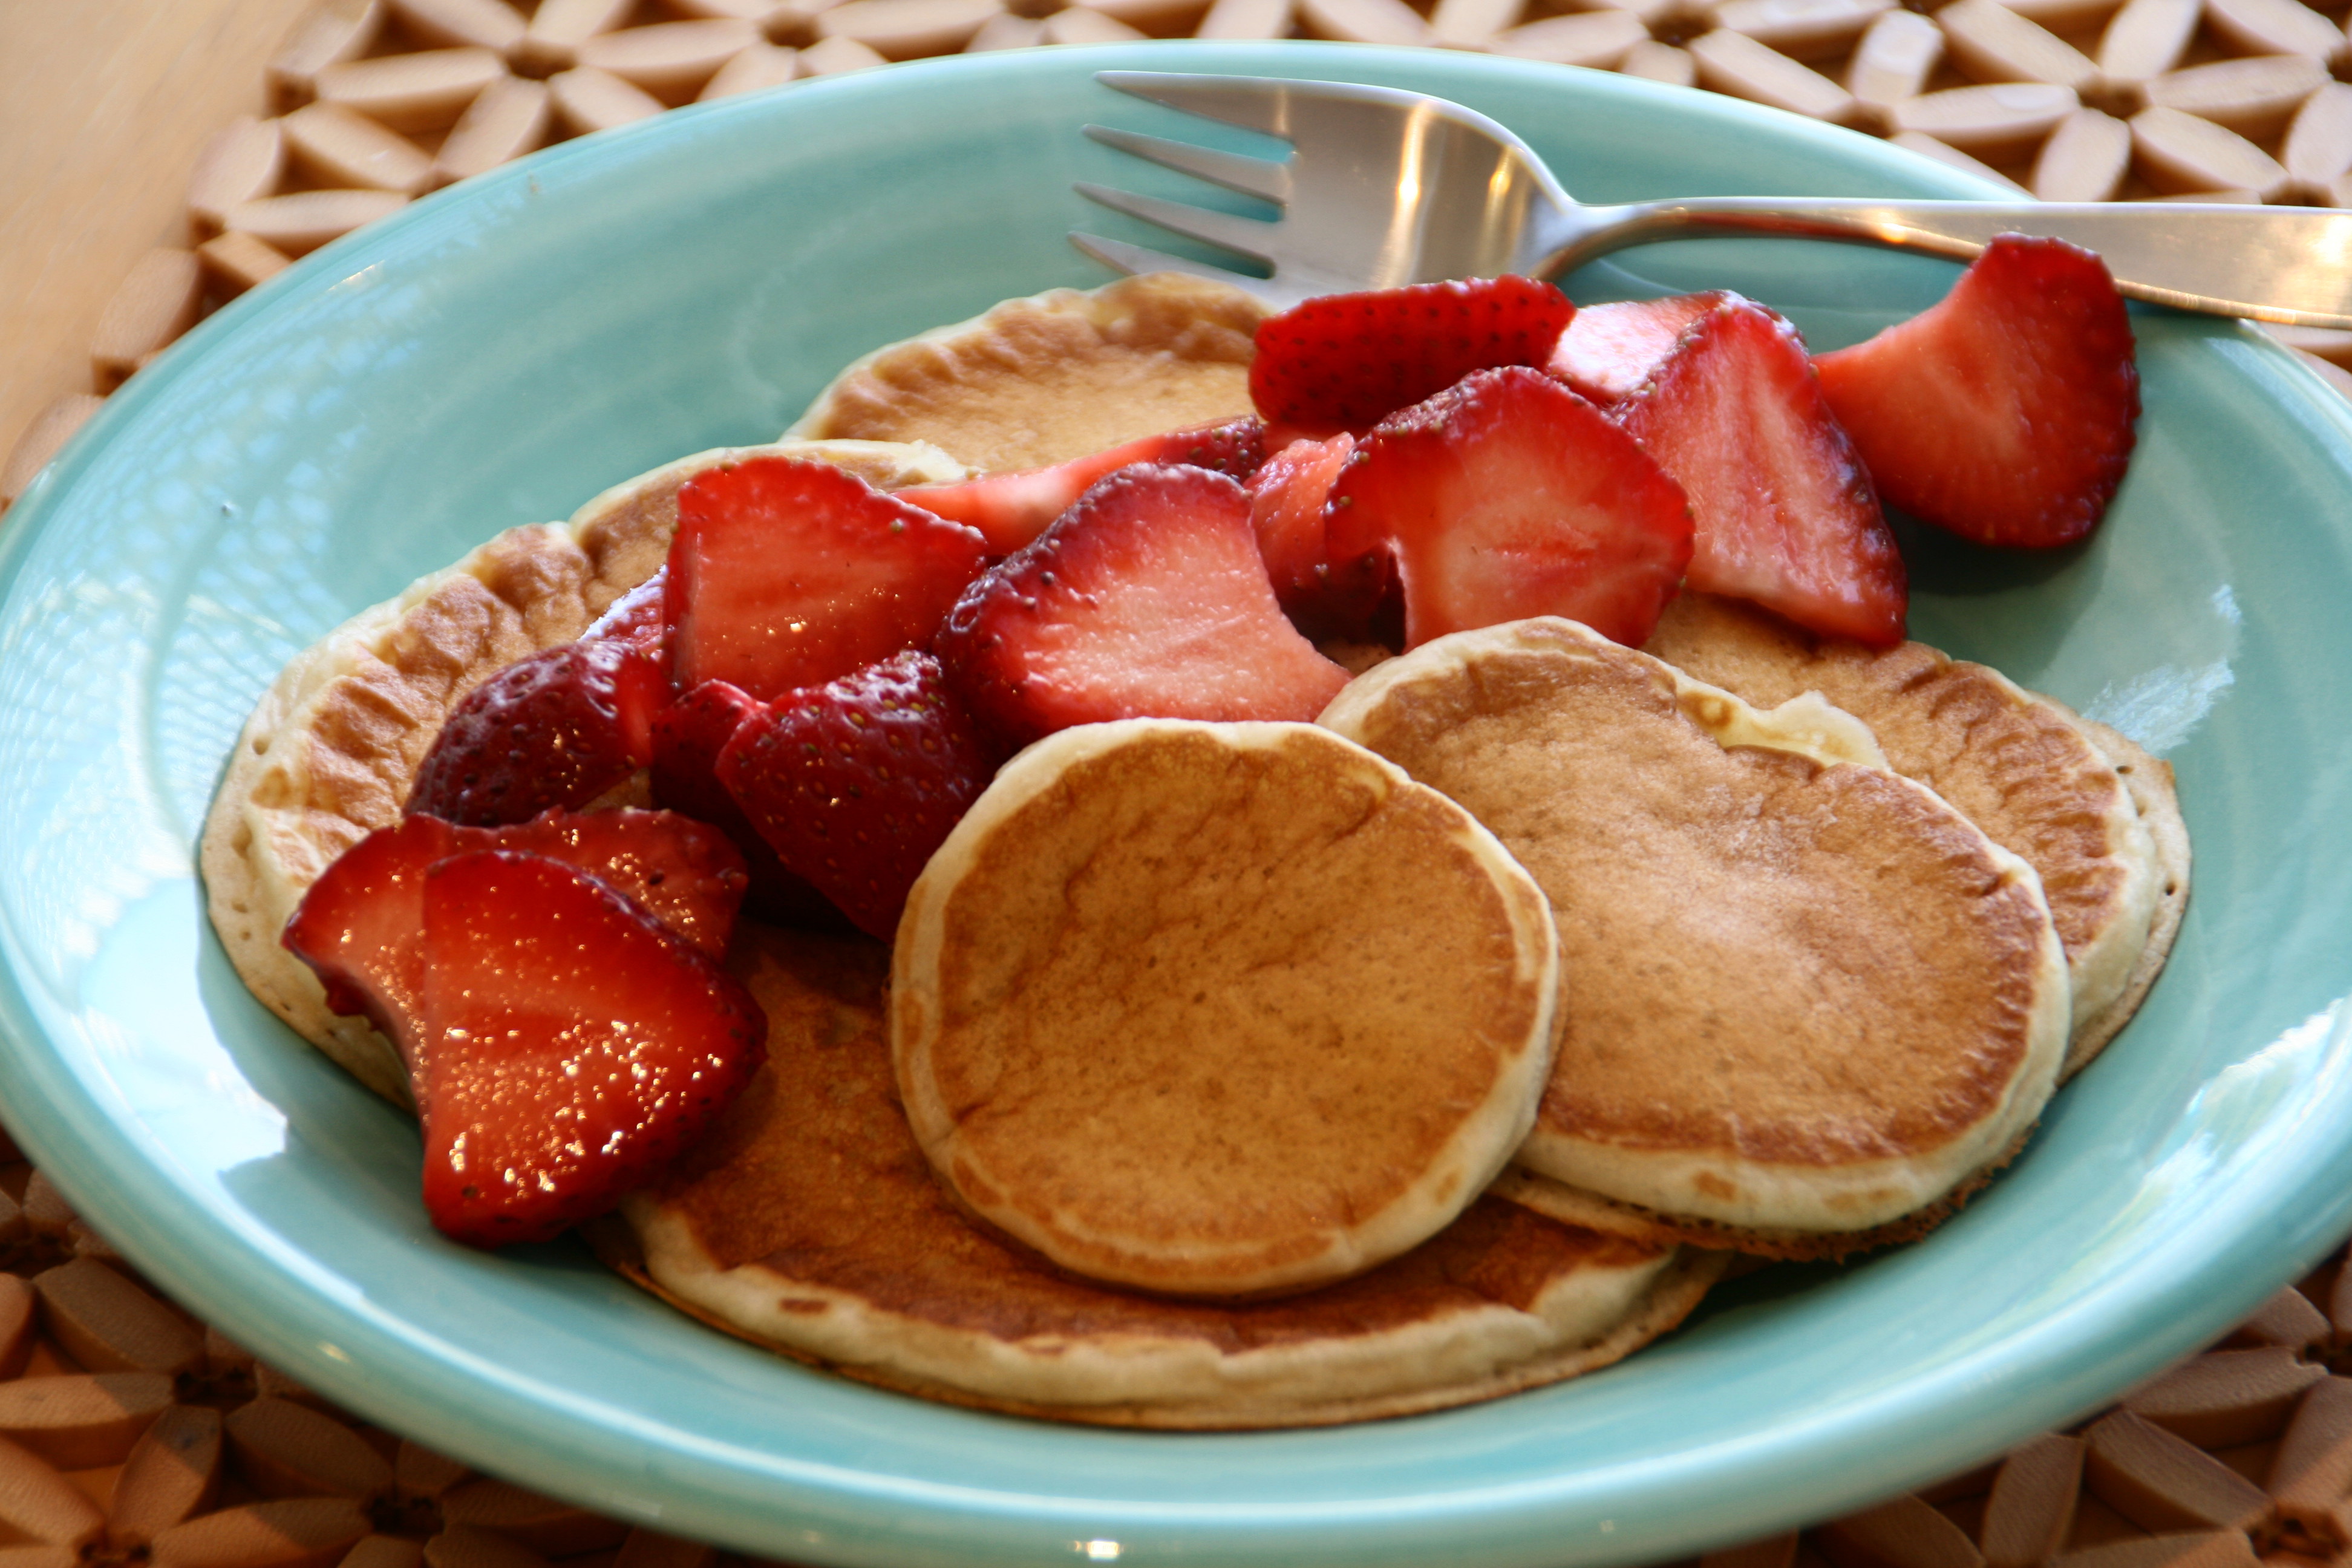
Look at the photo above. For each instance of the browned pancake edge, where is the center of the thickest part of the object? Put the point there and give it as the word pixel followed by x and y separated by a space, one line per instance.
pixel 1802 996
pixel 1220 1008
pixel 810 1222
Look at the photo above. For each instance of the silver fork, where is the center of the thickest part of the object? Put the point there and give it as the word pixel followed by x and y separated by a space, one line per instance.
pixel 1384 187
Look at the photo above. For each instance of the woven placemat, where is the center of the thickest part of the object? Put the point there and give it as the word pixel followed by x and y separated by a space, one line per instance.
pixel 134 1434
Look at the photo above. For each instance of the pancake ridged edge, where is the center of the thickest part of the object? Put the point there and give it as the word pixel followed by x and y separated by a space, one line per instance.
pixel 329 753
pixel 1854 1195
pixel 1505 1050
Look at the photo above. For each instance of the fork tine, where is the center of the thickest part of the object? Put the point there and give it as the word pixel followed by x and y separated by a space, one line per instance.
pixel 1251 176
pixel 1247 235
pixel 1246 101
pixel 1135 259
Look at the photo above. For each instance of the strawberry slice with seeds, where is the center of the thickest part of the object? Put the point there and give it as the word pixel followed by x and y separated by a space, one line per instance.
pixel 1009 509
pixel 1147 599
pixel 1344 361
pixel 786 572
pixel 359 925
pixel 1785 513
pixel 571 1046
pixel 1507 496
pixel 554 730
pixel 1608 352
pixel 688 737
pixel 853 783
pixel 1286 501
pixel 2004 413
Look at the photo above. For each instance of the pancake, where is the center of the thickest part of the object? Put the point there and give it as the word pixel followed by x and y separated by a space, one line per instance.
pixel 1043 380
pixel 330 752
pixel 1808 1001
pixel 2092 814
pixel 1220 1009
pixel 810 1222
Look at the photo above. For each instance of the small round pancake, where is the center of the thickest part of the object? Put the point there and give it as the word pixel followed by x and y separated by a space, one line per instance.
pixel 1805 996
pixel 1043 380
pixel 811 1223
pixel 2029 770
pixel 1220 1009
pixel 330 752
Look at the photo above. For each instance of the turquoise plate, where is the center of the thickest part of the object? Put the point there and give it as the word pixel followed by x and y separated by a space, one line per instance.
pixel 500 353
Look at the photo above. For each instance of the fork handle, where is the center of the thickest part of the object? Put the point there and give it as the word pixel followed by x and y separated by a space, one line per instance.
pixel 2274 264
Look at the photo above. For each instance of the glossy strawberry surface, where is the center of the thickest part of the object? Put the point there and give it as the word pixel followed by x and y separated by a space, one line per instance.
pixel 2006 412
pixel 853 783
pixel 1147 599
pixel 569 1046
pixel 1507 496
pixel 1011 508
pixel 555 730
pixel 359 926
pixel 1347 360
pixel 788 573
pixel 1785 513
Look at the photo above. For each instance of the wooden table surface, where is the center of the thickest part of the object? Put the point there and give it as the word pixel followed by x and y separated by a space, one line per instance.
pixel 103 107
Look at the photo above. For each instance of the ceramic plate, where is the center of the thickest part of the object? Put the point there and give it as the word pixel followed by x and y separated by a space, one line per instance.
pixel 500 353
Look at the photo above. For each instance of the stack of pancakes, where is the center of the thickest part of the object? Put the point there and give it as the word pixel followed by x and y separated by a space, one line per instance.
pixel 1819 962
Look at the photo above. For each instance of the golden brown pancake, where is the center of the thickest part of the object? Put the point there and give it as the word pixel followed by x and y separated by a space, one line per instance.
pixel 2039 779
pixel 811 1223
pixel 1220 1009
pixel 1044 379
pixel 1806 998
pixel 330 752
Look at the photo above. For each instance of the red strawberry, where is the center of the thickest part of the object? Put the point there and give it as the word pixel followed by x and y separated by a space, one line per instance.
pixel 2005 413
pixel 1507 496
pixel 635 618
pixel 684 873
pixel 556 729
pixel 1345 361
pixel 1011 509
pixel 787 573
pixel 359 926
pixel 1785 513
pixel 571 1045
pixel 1608 350
pixel 1149 598
pixel 856 782
pixel 1287 499
pixel 688 738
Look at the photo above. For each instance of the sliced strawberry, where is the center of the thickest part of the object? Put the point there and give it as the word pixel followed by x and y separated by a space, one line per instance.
pixel 2003 413
pixel 1785 513
pixel 688 738
pixel 571 1046
pixel 1286 502
pixel 635 618
pixel 556 729
pixel 787 573
pixel 359 926
pixel 853 783
pixel 1344 361
pixel 685 873
pixel 1608 350
pixel 1011 509
pixel 1147 599
pixel 1507 496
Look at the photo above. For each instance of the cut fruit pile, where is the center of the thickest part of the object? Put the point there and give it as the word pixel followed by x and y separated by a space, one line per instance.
pixel 824 677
